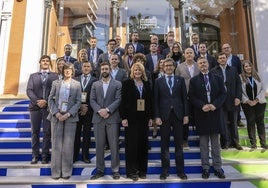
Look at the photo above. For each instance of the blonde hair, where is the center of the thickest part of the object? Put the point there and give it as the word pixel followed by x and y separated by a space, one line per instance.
pixel 80 52
pixel 142 69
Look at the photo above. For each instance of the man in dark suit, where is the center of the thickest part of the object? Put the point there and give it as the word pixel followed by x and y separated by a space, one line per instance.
pixel 105 98
pixel 171 112
pixel 38 89
pixel 195 45
pixel 233 61
pixel 85 114
pixel 202 48
pixel 233 87
pixel 118 49
pixel 117 73
pixel 152 58
pixel 67 54
pixel 93 55
pixel 207 95
pixel 139 48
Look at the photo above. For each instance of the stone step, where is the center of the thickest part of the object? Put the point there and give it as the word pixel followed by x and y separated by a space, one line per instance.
pixel 194 180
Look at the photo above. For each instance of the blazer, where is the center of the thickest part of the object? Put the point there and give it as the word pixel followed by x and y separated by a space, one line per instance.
pixel 140 48
pixel 236 63
pixel 69 59
pixel 74 101
pixel 183 71
pixel 165 52
pixel 260 92
pixel 111 101
pixel 34 88
pixel 121 75
pixel 99 52
pixel 105 58
pixel 164 101
pixel 120 51
pixel 233 86
pixel 207 122
pixel 149 65
pixel 211 60
pixel 128 107
pixel 195 53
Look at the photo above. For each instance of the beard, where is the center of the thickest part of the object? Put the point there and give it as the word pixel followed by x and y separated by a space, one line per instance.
pixel 105 75
pixel 67 53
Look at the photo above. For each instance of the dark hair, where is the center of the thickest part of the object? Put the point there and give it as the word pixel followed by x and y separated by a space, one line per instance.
pixel 111 40
pixel 44 57
pixel 104 63
pixel 254 73
pixel 220 54
pixel 168 60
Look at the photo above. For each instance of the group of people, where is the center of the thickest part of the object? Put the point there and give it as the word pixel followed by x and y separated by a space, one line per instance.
pixel 167 88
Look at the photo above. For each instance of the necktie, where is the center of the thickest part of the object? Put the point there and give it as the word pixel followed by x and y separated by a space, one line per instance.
pixel 44 77
pixel 85 81
pixel 92 55
pixel 207 82
pixel 170 84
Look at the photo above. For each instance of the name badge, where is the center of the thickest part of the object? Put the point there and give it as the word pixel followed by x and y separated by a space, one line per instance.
pixel 84 97
pixel 63 107
pixel 140 105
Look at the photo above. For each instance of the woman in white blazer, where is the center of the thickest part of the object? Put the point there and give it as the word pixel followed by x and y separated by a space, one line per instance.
pixel 253 104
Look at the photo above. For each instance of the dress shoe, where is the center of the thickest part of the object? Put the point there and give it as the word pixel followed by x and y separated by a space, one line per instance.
pixel 97 175
pixel 238 147
pixel 34 160
pixel 163 176
pixel 85 160
pixel 55 178
pixel 66 178
pixel 116 175
pixel 182 176
pixel 225 146
pixel 264 146
pixel 253 146
pixel 219 174
pixel 134 177
pixel 142 175
pixel 44 160
pixel 205 174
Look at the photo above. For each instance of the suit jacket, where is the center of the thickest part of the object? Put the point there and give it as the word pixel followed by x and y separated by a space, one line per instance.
pixel 128 106
pixel 69 59
pixel 121 75
pixel 74 101
pixel 236 63
pixel 211 60
pixel 140 48
pixel 87 90
pixel 183 71
pixel 165 52
pixel 120 51
pixel 207 122
pixel 99 52
pixel 233 86
pixel 105 58
pixel 195 53
pixel 149 65
pixel 35 88
pixel 164 101
pixel 111 101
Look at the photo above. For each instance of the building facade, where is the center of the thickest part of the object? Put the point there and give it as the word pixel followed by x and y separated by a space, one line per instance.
pixel 30 28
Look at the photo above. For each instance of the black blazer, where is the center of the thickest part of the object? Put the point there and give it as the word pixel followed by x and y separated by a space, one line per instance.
pixel 233 85
pixel 163 100
pixel 128 106
pixel 207 122
pixel 149 65
pixel 35 88
pixel 87 90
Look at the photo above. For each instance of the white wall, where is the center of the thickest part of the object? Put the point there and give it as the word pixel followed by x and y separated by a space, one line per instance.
pixel 32 41
pixel 260 15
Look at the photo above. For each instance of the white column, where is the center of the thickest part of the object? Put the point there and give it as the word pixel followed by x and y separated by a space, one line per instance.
pixel 6 7
pixel 32 42
pixel 259 16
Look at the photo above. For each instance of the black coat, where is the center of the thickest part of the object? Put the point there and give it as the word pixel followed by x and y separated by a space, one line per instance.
pixel 207 122
pixel 233 86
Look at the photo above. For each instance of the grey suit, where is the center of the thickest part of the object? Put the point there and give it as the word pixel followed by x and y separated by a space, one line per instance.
pixel 109 125
pixel 63 133
pixel 121 75
pixel 37 90
pixel 183 71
